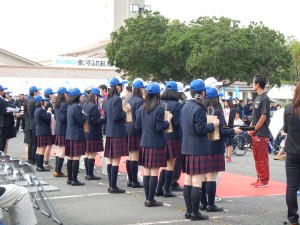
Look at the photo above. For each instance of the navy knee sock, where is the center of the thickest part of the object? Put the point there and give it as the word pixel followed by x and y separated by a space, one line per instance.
pixel 86 166
pixel 211 188
pixel 41 161
pixel 114 176
pixel 128 169
pixel 161 181
pixel 196 196
pixel 203 194
pixel 91 165
pixel 146 186
pixel 152 187
pixel 108 166
pixel 69 169
pixel 75 168
pixel 134 170
pixel 187 194
pixel 168 180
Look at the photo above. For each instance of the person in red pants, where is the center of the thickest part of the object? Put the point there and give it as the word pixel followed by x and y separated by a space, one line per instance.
pixel 260 136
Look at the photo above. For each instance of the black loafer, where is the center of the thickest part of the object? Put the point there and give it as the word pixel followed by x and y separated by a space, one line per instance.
pixel 77 183
pixel 42 169
pixel 169 194
pixel 177 188
pixel 187 215
pixel 289 223
pixel 136 185
pixel 213 208
pixel 93 178
pixel 198 216
pixel 203 207
pixel 159 193
pixel 116 190
pixel 153 203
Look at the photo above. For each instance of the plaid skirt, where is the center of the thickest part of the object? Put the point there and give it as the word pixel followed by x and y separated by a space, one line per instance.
pixel 42 141
pixel 173 148
pixel 153 157
pixel 219 162
pixel 134 142
pixel 197 164
pixel 75 148
pixel 60 140
pixel 94 145
pixel 115 147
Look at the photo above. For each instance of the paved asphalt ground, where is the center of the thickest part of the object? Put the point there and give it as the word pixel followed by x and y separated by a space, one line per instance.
pixel 91 204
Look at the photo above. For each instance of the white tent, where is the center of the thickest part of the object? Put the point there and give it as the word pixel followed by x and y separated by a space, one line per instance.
pixel 276 122
pixel 283 92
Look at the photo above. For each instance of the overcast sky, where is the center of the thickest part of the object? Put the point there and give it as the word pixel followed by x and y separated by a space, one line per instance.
pixel 40 29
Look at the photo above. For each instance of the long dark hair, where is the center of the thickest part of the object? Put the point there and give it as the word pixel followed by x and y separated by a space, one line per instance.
pixel 60 98
pixel 138 92
pixel 170 95
pixel 91 98
pixel 151 101
pixel 113 91
pixel 74 99
pixel 296 101
pixel 196 95
pixel 212 102
pixel 230 104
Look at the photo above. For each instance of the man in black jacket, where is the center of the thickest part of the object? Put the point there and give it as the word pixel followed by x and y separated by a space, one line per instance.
pixel 3 120
pixel 20 120
pixel 33 91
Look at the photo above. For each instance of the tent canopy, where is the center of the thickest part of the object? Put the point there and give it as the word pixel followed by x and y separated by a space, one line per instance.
pixel 283 92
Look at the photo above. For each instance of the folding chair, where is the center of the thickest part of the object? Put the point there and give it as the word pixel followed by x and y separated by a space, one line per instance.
pixel 9 170
pixel 37 190
pixel 19 174
pixel 3 172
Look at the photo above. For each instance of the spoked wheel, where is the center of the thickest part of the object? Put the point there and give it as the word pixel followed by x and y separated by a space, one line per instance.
pixel 240 145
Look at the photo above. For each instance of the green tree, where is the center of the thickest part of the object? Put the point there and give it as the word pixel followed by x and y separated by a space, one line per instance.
pixel 135 47
pixel 294 47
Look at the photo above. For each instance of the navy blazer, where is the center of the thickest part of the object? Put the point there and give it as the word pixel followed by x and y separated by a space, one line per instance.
pixel 75 122
pixel 4 121
pixel 218 147
pixel 152 124
pixel 60 114
pixel 42 121
pixel 194 129
pixel 175 108
pixel 94 121
pixel 115 117
pixel 135 103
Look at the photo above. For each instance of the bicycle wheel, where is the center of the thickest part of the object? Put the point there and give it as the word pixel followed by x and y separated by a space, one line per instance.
pixel 240 145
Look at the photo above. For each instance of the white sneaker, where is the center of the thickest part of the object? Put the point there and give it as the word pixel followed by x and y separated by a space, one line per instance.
pixel 217 199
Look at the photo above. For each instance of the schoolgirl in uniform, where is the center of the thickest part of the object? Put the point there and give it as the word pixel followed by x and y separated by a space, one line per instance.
pixel 134 135
pixel 60 112
pixel 116 140
pixel 75 138
pixel 172 140
pixel 196 158
pixel 48 93
pixel 93 138
pixel 43 134
pixel 217 150
pixel 150 119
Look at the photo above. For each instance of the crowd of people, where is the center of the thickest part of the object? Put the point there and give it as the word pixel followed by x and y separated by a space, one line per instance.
pixel 160 131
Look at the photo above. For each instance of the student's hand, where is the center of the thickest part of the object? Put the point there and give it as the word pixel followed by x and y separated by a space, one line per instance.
pixel 252 132
pixel 49 110
pixel 237 130
pixel 169 117
pixel 127 108
pixel 216 123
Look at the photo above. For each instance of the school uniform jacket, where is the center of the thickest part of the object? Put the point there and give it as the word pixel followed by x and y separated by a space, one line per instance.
pixel 60 115
pixel 30 110
pixel 42 121
pixel 218 147
pixel 115 117
pixel 174 108
pixel 94 121
pixel 194 129
pixel 135 103
pixel 152 125
pixel 75 121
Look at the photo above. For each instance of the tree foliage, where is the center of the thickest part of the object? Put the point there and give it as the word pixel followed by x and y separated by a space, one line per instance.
pixel 294 47
pixel 152 47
